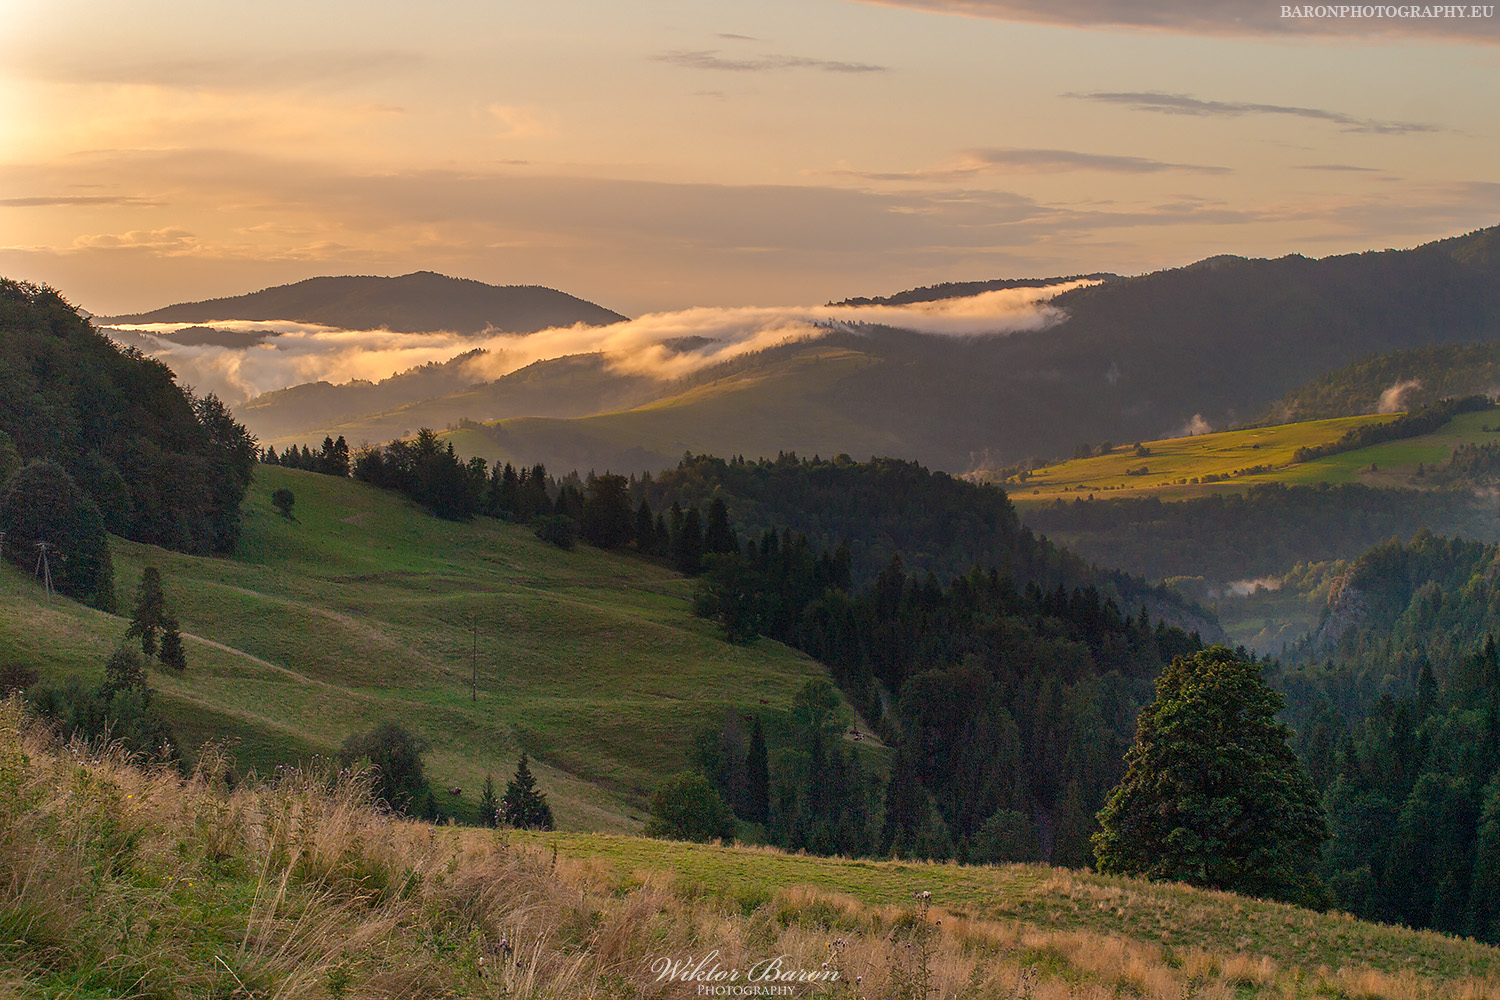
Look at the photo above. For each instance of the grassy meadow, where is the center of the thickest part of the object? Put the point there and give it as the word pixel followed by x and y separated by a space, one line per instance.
pixel 1231 461
pixel 124 880
pixel 364 608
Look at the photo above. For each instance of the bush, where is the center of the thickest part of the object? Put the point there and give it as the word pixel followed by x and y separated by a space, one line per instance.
pixel 395 756
pixel 688 807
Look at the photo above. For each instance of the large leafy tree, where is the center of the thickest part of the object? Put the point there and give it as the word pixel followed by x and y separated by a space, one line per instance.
pixel 1212 794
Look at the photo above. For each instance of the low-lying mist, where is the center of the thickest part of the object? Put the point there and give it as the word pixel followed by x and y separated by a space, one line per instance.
pixel 665 345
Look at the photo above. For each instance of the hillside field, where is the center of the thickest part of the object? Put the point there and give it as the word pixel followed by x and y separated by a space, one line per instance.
pixel 364 608
pixel 1235 460
pixel 135 882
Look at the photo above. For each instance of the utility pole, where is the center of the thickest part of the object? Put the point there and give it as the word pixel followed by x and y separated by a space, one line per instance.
pixel 43 567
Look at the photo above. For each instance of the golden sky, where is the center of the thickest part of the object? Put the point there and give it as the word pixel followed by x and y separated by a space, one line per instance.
pixel 664 154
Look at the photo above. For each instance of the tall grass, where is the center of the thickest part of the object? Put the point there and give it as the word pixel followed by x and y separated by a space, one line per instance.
pixel 123 879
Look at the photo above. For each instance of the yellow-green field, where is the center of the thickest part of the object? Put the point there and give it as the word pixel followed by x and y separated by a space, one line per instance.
pixel 1232 461
pixel 364 608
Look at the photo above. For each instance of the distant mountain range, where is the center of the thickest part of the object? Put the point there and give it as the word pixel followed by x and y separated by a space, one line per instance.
pixel 1211 344
pixel 411 303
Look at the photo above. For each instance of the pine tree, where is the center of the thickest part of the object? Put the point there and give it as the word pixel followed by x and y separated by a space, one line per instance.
pixel 758 775
pixel 489 806
pixel 148 619
pixel 525 806
pixel 173 657
pixel 1212 794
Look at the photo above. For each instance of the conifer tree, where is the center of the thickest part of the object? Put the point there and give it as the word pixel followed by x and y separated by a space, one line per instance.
pixel 173 657
pixel 489 806
pixel 525 806
pixel 149 617
pixel 758 775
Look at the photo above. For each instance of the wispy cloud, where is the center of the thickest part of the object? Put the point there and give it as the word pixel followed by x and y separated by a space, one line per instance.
pixel 711 59
pixel 1210 17
pixel 168 242
pixel 58 201
pixel 1186 104
pixel 231 71
pixel 1338 168
pixel 995 160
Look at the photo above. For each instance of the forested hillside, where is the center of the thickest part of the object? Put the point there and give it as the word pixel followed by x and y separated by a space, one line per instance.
pixel 1399 380
pixel 1261 532
pixel 1396 701
pixel 159 464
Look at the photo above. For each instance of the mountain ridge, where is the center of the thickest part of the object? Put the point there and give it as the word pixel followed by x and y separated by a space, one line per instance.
pixel 418 302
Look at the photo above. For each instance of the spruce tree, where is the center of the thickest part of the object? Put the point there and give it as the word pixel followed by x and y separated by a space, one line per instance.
pixel 149 616
pixel 173 657
pixel 1212 794
pixel 489 806
pixel 525 806
pixel 758 775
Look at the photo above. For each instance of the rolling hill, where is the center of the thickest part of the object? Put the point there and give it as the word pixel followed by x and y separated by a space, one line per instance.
pixel 364 609
pixel 411 303
pixel 1214 343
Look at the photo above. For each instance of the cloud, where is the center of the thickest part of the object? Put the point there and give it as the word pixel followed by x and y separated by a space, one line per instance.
pixel 165 241
pixel 1209 17
pixel 52 201
pixel 998 160
pixel 1338 167
pixel 649 345
pixel 1186 104
pixel 231 71
pixel 520 123
pixel 710 59
pixel 1393 399
pixel 1191 428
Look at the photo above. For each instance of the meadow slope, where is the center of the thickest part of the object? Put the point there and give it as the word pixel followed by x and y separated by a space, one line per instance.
pixel 364 608
pixel 130 881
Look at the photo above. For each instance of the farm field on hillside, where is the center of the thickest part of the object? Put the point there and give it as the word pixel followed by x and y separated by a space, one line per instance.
pixel 1232 461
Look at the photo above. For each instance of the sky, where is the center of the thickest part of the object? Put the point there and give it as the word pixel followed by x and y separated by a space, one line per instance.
pixel 672 154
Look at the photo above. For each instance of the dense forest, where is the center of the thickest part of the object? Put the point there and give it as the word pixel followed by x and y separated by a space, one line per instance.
pixel 1264 531
pixel 1396 704
pixel 1413 378
pixel 157 464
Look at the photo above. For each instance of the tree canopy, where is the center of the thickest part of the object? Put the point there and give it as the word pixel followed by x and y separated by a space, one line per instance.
pixel 1212 794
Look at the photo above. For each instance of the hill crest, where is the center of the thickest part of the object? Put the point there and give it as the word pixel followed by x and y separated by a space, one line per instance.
pixel 409 303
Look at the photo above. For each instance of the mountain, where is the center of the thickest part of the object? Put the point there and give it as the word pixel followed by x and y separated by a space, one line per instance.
pixel 1210 344
pixel 411 303
pixel 961 289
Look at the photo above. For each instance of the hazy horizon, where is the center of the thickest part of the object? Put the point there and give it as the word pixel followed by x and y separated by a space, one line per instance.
pixel 670 155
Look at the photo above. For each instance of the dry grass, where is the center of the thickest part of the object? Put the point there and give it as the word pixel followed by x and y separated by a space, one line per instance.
pixel 124 880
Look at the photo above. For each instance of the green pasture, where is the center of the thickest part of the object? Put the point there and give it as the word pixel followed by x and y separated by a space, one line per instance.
pixel 364 608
